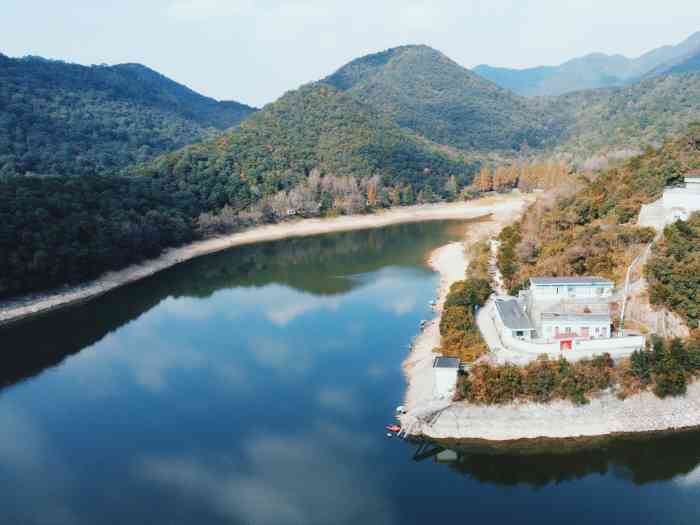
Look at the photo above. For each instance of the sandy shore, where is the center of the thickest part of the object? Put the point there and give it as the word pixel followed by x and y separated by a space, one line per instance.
pixel 27 306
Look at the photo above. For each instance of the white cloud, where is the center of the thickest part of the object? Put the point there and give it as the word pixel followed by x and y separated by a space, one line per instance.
pixel 284 480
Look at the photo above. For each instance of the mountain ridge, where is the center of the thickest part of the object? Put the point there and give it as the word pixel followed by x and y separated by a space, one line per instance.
pixel 62 118
pixel 590 71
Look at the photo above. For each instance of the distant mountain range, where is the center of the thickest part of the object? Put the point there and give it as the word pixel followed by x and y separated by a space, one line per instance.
pixel 61 118
pixel 597 70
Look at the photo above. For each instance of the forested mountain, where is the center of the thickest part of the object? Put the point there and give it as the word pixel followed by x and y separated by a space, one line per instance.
pixel 592 71
pixel 316 149
pixel 403 126
pixel 63 119
pixel 626 118
pixel 423 90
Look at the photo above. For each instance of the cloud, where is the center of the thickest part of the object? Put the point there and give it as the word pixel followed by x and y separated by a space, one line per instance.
pixel 338 399
pixel 283 480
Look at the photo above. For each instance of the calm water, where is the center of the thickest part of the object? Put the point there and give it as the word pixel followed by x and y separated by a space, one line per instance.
pixel 253 387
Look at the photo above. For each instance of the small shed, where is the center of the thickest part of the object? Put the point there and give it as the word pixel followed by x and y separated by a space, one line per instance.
pixel 445 370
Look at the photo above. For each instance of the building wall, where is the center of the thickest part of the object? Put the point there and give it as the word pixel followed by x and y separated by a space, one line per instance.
pixel 445 380
pixel 688 199
pixel 617 347
pixel 596 329
pixel 550 293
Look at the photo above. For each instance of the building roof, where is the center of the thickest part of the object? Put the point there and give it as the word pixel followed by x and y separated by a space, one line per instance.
pixel 576 318
pixel 570 281
pixel 512 315
pixel 446 362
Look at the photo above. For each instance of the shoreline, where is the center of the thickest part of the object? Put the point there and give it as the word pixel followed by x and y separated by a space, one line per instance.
pixel 451 262
pixel 523 423
pixel 31 305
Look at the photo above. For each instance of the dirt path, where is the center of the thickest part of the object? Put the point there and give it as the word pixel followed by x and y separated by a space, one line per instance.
pixel 27 306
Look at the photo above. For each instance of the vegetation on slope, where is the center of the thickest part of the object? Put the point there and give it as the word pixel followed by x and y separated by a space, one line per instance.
pixel 646 113
pixel 316 148
pixel 663 368
pixel 590 228
pixel 66 119
pixel 423 90
pixel 460 336
pixel 674 270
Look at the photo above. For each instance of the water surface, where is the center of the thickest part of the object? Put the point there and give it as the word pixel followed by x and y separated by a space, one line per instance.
pixel 253 386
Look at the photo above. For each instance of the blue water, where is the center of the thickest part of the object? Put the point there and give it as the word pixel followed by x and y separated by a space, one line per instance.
pixel 253 387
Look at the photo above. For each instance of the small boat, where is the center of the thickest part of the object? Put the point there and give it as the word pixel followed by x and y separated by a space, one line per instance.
pixel 393 428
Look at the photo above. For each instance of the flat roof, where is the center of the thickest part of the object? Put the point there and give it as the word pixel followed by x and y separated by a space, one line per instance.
pixel 512 315
pixel 446 362
pixel 573 281
pixel 577 318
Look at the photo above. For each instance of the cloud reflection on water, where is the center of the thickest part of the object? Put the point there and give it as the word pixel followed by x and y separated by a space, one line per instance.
pixel 303 479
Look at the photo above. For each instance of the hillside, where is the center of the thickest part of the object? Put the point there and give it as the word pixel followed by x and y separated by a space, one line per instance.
pixel 316 149
pixel 626 118
pixel 592 71
pixel 59 118
pixel 423 90
pixel 591 229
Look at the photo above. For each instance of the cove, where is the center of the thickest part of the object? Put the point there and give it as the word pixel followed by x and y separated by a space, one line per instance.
pixel 252 386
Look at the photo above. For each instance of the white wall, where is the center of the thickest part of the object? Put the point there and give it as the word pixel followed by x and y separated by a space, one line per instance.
pixel 445 381
pixel 550 293
pixel 617 347
pixel 682 198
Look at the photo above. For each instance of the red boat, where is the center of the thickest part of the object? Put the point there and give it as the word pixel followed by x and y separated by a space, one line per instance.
pixel 393 428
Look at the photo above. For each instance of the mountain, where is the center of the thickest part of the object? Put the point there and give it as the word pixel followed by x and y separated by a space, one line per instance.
pixel 588 72
pixel 689 63
pixel 316 149
pixel 61 118
pixel 626 118
pixel 423 90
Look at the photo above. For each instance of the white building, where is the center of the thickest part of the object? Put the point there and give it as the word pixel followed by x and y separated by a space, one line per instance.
pixel 676 204
pixel 512 318
pixel 563 326
pixel 445 370
pixel 685 199
pixel 567 316
pixel 549 289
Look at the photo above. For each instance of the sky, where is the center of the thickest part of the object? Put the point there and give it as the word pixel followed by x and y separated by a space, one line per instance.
pixel 255 50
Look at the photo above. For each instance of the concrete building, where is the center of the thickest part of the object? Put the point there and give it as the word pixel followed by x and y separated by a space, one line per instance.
pixel 559 288
pixel 445 370
pixel 568 316
pixel 559 326
pixel 512 318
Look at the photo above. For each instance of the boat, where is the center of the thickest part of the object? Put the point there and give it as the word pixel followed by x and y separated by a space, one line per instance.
pixel 393 428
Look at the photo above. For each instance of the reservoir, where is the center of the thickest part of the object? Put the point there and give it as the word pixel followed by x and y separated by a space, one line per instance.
pixel 253 387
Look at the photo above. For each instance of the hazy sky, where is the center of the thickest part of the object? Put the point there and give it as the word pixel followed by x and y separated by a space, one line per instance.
pixel 255 50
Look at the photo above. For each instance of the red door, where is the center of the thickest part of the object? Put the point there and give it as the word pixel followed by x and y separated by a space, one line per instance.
pixel 566 344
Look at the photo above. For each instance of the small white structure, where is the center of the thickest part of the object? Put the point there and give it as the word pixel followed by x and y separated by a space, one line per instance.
pixel 686 198
pixel 560 288
pixel 445 370
pixel 511 318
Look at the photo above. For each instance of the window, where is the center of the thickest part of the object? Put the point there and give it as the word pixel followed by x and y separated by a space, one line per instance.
pixel 519 333
pixel 568 330
pixel 600 291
